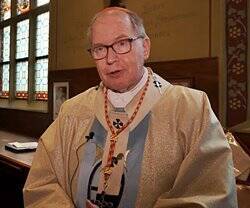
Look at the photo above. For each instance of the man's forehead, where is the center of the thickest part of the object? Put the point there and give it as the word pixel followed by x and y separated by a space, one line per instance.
pixel 111 16
pixel 109 25
pixel 112 24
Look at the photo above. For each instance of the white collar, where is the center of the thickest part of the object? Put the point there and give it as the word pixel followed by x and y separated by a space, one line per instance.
pixel 121 100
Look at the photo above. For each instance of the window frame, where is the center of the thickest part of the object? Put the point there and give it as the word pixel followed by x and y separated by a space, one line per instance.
pixel 31 103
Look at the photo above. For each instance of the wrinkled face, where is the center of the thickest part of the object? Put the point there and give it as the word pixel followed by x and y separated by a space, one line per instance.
pixel 119 72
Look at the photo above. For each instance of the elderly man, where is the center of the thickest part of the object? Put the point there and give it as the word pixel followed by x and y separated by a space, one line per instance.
pixel 136 141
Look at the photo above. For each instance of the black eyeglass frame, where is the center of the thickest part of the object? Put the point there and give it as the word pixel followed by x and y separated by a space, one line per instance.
pixel 111 46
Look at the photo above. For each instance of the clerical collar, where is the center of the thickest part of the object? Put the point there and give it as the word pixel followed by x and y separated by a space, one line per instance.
pixel 121 100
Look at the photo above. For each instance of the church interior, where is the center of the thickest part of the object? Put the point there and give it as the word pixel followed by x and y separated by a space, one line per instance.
pixel 43 55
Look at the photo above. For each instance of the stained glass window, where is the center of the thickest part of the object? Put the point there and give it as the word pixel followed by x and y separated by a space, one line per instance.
pixel 5 80
pixel 42 34
pixel 24 73
pixel 41 79
pixel 5 11
pixel 5 57
pixel 22 39
pixel 41 2
pixel 6 44
pixel 23 6
pixel 22 79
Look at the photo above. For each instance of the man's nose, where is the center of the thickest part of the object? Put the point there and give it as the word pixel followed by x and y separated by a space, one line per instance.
pixel 111 56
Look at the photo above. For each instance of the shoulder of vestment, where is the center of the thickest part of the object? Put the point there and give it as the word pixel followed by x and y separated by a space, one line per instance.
pixel 184 100
pixel 80 104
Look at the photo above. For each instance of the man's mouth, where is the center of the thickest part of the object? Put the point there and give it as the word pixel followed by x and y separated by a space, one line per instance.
pixel 114 73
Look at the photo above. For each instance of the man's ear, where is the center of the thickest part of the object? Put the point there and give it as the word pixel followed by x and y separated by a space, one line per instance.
pixel 146 46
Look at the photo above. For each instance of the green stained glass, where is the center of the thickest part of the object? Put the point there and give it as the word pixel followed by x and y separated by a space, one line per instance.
pixel 42 34
pixel 41 75
pixel 5 7
pixel 22 40
pixel 41 2
pixel 6 44
pixel 22 76
pixel 5 77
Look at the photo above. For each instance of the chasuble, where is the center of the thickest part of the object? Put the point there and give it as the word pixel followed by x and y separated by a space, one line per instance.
pixel 172 154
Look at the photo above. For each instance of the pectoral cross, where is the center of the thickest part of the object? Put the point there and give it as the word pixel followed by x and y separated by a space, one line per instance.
pixel 102 203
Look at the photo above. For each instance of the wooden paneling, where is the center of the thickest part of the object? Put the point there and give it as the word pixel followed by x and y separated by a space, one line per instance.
pixel 24 122
pixel 244 140
pixel 14 169
pixel 12 181
pixel 203 72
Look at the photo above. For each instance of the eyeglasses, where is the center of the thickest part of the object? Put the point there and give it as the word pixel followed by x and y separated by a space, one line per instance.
pixel 120 47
